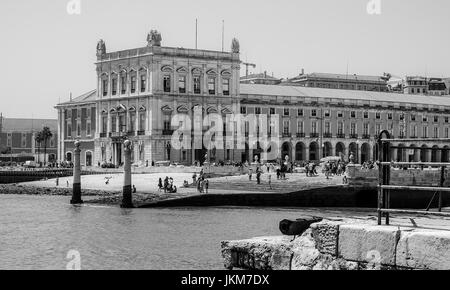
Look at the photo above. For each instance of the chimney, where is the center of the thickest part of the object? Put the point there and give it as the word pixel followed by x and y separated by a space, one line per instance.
pixel 303 72
pixel 265 74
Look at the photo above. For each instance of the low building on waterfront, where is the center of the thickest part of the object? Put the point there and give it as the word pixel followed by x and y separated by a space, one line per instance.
pixel 140 90
pixel 18 139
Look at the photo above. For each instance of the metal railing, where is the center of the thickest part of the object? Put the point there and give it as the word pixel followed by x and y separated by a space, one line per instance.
pixel 385 188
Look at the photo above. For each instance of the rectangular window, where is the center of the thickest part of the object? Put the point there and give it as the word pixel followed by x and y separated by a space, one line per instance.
pixel 413 118
pixel 272 111
pixel 24 140
pixel 142 121
pixel 436 132
pixel 446 132
pixel 104 124
pixel 212 86
pixel 132 127
pixel 133 84
pixel 340 114
pixel 327 128
pixel 424 118
pixel 88 128
pixel 378 129
pixel 352 114
pixel 226 87
pixel 446 120
pixel 390 116
pixel 9 140
pixel 166 84
pixel 327 113
pixel 243 110
pixel 436 119
pixel 143 83
pixel 313 113
pixel 366 115
pixel 114 86
pixel 353 129
pixel 425 132
pixel 78 129
pixel 113 124
pixel 123 84
pixel 300 128
pixel 286 127
pixel 286 112
pixel 314 127
pixel 182 84
pixel 300 112
pixel 122 124
pixel 167 122
pixel 69 130
pixel 366 129
pixel 197 85
pixel 378 115
pixel 258 111
pixel 105 87
pixel 341 128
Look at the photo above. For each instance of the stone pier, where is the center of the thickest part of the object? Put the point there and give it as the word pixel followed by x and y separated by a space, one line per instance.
pixel 127 201
pixel 76 194
pixel 343 245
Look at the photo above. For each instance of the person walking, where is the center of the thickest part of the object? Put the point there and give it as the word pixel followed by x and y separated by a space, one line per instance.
pixel 206 185
pixel 270 181
pixel 160 184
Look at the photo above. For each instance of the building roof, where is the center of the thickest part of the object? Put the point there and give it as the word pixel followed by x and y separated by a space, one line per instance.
pixel 259 76
pixel 339 77
pixel 28 125
pixel 88 97
pixel 382 97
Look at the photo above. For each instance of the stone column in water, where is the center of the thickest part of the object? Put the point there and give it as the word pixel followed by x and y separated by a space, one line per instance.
pixel 76 193
pixel 127 201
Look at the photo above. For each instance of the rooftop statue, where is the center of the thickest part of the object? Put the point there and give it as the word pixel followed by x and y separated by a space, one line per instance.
pixel 101 48
pixel 235 47
pixel 154 38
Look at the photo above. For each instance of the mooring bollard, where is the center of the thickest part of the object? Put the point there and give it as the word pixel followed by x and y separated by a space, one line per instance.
pixel 127 200
pixel 76 193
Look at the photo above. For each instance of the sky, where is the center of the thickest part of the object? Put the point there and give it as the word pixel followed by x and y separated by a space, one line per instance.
pixel 48 53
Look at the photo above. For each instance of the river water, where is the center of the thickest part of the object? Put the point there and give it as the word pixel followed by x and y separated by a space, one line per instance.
pixel 37 232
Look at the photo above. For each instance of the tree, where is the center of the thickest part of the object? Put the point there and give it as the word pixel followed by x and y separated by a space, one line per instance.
pixel 46 135
pixel 38 140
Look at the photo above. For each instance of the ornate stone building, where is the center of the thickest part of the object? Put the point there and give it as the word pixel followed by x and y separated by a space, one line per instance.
pixel 140 90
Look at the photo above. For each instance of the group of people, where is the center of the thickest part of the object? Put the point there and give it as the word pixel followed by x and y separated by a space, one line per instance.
pixel 334 168
pixel 167 186
pixel 258 174
pixel 202 183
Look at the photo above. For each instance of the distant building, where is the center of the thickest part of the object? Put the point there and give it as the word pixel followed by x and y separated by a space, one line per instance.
pixel 415 85
pixel 339 81
pixel 17 139
pixel 260 79
pixel 437 87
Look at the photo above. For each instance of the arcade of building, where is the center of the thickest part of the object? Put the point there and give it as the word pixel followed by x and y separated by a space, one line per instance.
pixel 139 90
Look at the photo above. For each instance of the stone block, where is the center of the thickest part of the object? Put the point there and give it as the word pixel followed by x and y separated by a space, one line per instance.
pixel 365 243
pixel 326 235
pixel 266 253
pixel 424 250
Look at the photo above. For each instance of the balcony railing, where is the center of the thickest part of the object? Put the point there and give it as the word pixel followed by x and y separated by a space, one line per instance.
pixel 327 135
pixel 131 133
pixel 314 135
pixel 340 136
pixel 286 134
pixel 354 136
pixel 141 132
pixel 300 135
pixel 366 136
pixel 103 135
pixel 117 134
pixel 167 132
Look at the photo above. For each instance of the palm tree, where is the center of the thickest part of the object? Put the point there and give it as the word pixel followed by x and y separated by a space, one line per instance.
pixel 38 140
pixel 46 135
